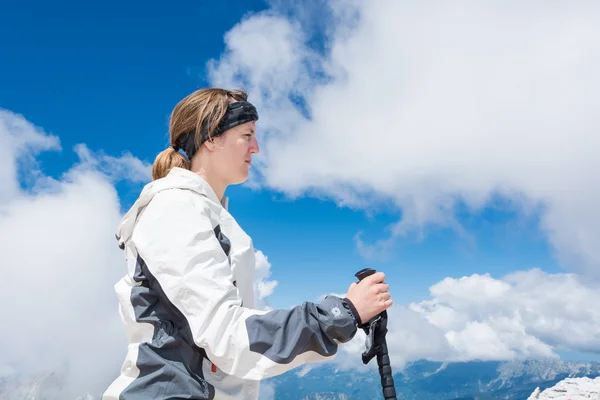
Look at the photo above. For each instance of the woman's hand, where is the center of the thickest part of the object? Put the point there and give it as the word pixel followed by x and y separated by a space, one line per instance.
pixel 370 296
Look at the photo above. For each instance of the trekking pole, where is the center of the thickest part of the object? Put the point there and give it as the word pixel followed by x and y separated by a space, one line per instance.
pixel 376 345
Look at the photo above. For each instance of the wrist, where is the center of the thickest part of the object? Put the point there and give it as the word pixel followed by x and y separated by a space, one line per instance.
pixel 353 310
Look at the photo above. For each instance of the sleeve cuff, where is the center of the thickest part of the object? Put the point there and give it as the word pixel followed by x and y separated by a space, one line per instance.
pixel 353 310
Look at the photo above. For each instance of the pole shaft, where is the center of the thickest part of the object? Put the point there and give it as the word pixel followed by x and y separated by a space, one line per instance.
pixel 385 371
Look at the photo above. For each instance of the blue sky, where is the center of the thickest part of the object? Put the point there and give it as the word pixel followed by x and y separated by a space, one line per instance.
pixel 465 132
pixel 108 76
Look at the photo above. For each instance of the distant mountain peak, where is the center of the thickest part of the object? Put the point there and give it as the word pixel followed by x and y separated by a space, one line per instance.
pixel 546 369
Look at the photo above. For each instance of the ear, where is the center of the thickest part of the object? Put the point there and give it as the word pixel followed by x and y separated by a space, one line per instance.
pixel 210 144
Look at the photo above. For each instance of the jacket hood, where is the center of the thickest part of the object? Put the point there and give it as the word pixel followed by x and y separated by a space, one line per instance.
pixel 177 178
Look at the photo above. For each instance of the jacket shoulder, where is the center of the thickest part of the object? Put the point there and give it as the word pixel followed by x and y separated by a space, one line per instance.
pixel 180 203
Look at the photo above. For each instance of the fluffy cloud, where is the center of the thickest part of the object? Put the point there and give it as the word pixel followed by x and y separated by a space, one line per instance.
pixel 431 108
pixel 527 313
pixel 20 146
pixel 59 261
pixel 524 315
pixel 263 286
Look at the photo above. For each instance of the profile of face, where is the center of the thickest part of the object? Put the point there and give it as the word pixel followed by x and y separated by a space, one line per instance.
pixel 232 152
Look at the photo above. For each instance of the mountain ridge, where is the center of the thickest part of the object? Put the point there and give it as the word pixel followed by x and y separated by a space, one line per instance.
pixel 472 380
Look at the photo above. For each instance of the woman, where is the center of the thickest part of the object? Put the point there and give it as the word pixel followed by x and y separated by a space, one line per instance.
pixel 187 299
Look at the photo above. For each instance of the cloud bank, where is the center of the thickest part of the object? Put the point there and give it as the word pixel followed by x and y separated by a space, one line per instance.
pixel 60 261
pixel 432 108
pixel 523 315
pixel 59 264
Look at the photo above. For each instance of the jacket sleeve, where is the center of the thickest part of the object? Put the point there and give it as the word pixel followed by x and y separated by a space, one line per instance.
pixel 175 236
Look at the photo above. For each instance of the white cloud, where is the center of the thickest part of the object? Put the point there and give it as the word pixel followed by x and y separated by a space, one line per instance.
pixel 556 309
pixel 59 262
pixel 263 286
pixel 429 106
pixel 524 315
pixel 20 146
pixel 125 167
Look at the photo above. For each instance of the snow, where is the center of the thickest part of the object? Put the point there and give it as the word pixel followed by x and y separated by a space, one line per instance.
pixel 570 389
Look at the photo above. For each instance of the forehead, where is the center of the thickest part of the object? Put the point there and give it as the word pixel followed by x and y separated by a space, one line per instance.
pixel 247 126
pixel 239 130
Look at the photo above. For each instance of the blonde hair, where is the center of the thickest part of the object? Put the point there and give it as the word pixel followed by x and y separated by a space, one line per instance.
pixel 202 109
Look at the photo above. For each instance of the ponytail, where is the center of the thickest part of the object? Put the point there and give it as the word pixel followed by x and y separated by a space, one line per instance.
pixel 166 160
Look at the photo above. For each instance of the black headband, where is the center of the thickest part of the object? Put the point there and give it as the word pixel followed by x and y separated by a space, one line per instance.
pixel 237 113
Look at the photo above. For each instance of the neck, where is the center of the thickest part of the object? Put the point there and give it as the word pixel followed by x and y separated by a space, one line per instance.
pixel 203 167
pixel 216 184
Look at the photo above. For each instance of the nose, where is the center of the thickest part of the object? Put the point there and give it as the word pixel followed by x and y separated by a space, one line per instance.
pixel 254 146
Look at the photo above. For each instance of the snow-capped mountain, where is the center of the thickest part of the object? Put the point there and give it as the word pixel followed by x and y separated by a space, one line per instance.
pixel 570 389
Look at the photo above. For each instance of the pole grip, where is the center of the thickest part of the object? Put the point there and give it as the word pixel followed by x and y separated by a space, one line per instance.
pixel 363 273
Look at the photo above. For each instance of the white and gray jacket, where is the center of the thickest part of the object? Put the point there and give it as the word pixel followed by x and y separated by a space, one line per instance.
pixel 187 302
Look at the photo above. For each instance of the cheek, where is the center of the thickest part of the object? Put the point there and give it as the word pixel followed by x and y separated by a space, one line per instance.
pixel 237 152
pixel 243 149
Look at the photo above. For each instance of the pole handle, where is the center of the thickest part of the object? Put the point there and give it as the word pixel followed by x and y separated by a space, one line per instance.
pixel 363 273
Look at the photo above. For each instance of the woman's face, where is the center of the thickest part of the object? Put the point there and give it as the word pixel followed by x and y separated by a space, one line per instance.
pixel 233 152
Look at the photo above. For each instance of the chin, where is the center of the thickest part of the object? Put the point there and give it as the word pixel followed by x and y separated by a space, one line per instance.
pixel 240 179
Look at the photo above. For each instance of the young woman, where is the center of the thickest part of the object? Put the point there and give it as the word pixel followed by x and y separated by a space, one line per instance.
pixel 187 298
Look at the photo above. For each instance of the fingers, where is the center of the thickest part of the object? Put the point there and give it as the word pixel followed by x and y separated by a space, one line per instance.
pixel 378 287
pixel 377 277
pixel 382 287
pixel 374 293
